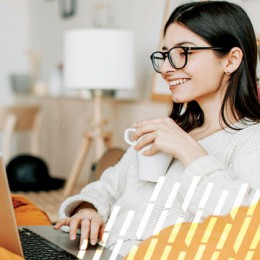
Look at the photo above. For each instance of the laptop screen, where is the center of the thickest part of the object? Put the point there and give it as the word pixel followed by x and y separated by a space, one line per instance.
pixel 9 238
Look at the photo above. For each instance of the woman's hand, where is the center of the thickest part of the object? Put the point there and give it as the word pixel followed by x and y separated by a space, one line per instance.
pixel 89 221
pixel 164 135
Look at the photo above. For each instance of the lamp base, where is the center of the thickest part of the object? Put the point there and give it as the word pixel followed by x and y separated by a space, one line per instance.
pixel 104 93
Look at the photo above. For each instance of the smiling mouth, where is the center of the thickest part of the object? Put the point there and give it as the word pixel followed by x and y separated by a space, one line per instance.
pixel 178 82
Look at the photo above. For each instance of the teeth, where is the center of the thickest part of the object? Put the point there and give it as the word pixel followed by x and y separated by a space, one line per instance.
pixel 177 82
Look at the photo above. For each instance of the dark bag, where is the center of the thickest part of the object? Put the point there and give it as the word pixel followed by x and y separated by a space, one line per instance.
pixel 30 173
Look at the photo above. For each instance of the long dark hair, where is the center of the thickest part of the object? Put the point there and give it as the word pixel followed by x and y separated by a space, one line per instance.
pixel 226 25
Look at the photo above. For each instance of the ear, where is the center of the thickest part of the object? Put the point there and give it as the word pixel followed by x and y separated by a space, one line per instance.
pixel 232 60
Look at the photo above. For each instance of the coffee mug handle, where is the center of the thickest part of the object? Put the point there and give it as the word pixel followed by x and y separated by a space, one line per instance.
pixel 128 136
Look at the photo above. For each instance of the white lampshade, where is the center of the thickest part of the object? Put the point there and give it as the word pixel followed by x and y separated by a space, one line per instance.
pixel 99 59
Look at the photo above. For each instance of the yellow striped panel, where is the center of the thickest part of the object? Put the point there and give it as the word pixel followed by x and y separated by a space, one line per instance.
pixel 182 255
pixel 241 234
pixel 191 232
pixel 166 253
pixel 249 255
pixel 256 239
pixel 224 236
pixel 131 255
pixel 200 252
pixel 209 229
pixel 150 249
pixel 174 233
pixel 215 256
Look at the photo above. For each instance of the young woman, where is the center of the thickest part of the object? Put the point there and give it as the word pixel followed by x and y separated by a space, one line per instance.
pixel 208 60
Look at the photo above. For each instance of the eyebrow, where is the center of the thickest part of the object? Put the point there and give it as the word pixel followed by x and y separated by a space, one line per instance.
pixel 164 48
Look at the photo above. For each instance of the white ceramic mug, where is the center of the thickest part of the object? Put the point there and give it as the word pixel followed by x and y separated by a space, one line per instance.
pixel 150 168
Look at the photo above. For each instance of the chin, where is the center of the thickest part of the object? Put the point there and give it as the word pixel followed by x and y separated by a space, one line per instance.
pixel 177 99
pixel 181 97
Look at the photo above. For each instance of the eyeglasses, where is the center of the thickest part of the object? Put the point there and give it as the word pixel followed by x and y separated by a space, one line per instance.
pixel 178 56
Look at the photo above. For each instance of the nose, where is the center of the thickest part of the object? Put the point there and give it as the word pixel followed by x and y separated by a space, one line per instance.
pixel 166 66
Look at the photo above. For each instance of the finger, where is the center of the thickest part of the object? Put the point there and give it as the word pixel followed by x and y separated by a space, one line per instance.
pixel 146 140
pixel 62 222
pixel 167 121
pixel 146 122
pixel 85 227
pixel 151 151
pixel 153 125
pixel 144 130
pixel 101 231
pixel 74 224
pixel 94 230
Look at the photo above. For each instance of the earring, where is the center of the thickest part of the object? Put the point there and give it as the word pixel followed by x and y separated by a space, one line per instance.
pixel 228 73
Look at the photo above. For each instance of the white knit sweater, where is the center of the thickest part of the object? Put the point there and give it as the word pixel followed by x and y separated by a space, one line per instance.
pixel 232 166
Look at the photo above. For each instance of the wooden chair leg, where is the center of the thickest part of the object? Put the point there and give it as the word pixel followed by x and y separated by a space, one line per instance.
pixel 76 169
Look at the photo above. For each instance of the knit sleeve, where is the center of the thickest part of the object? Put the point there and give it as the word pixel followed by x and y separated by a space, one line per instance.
pixel 104 192
pixel 214 188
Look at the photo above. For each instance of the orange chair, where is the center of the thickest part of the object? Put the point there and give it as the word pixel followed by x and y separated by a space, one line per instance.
pixel 26 214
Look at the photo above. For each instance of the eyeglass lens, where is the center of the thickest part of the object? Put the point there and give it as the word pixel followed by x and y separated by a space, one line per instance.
pixel 177 58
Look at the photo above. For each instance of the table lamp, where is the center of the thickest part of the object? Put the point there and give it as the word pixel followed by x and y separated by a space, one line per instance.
pixel 97 59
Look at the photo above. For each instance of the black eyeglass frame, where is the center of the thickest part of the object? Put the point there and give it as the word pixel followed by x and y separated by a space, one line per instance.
pixel 186 49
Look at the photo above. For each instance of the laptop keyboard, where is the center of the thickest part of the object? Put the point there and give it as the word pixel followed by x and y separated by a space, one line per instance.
pixel 36 247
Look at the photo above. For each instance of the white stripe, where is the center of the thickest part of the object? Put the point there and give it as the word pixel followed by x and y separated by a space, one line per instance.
pixel 104 239
pixel 198 216
pixel 172 196
pixel 81 254
pixel 238 200
pixel 179 220
pixel 112 218
pixel 206 194
pixel 98 253
pixel 157 188
pixel 220 202
pixel 253 204
pixel 144 220
pixel 175 230
pixel 193 227
pixel 160 222
pixel 190 192
pixel 127 222
pixel 240 195
pixel 256 197
pixel 116 249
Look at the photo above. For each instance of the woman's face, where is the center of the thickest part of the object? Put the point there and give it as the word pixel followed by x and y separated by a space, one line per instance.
pixel 203 78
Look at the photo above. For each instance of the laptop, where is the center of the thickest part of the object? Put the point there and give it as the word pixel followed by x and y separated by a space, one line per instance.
pixel 55 242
